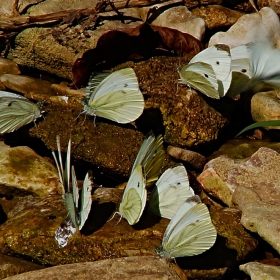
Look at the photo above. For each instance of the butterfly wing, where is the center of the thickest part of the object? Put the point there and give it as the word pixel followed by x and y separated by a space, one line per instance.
pixel 72 211
pixel 75 188
pixel 93 85
pixel 16 111
pixel 200 76
pixel 145 147
pixel 190 232
pixel 264 62
pixel 59 165
pixel 86 200
pixel 241 70
pixel 219 57
pixel 117 97
pixel 150 156
pixel 170 192
pixel 134 197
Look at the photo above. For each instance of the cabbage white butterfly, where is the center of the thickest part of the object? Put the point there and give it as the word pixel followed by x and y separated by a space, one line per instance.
pixel 241 70
pixel 171 190
pixel 16 111
pixel 255 68
pixel 209 71
pixel 134 197
pixel 150 156
pixel 78 215
pixel 145 169
pixel 190 232
pixel 264 63
pixel 114 96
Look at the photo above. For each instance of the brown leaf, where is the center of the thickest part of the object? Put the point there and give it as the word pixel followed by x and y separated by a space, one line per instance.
pixel 138 43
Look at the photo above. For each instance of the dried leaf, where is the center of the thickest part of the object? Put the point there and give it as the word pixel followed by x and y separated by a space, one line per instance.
pixel 143 41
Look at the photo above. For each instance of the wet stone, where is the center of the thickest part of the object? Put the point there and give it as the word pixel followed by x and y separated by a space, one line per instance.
pixel 26 85
pixel 25 172
pixel 216 16
pixel 139 268
pixel 8 67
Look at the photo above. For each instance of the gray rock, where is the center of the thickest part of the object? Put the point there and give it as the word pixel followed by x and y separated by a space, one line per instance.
pixel 263 217
pixel 258 271
pixel 248 28
pixel 182 19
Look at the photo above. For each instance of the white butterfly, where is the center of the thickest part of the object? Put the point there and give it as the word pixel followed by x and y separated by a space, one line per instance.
pixel 145 169
pixel 255 68
pixel 171 190
pixel 134 197
pixel 241 70
pixel 265 60
pixel 209 71
pixel 190 232
pixel 78 215
pixel 150 156
pixel 16 111
pixel 114 96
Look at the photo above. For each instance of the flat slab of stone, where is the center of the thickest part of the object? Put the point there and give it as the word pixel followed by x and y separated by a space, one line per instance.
pixel 263 218
pixel 259 271
pixel 142 268
pixel 22 170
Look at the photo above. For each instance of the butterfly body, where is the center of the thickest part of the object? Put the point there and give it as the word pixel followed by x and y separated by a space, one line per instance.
pixel 16 111
pixel 115 96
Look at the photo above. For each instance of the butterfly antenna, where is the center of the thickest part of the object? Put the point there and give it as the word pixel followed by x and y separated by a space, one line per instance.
pixel 36 128
pixel 114 216
pixel 79 115
pixel 179 66
pixel 74 84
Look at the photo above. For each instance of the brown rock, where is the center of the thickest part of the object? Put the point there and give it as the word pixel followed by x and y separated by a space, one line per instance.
pixel 26 85
pixel 265 106
pixel 195 159
pixel 263 217
pixel 213 178
pixel 8 67
pixel 216 16
pixel 258 271
pixel 10 266
pixel 142 268
pixel 23 171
